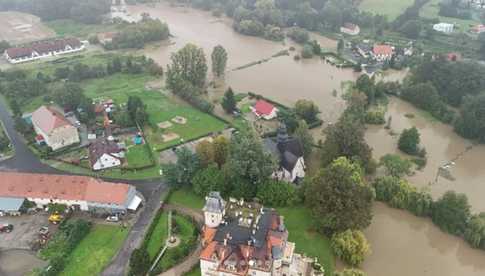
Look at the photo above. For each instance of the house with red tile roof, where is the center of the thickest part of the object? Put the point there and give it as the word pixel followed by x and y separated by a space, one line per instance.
pixel 350 29
pixel 56 130
pixel 82 192
pixel 265 110
pixel 43 49
pixel 245 238
pixel 382 52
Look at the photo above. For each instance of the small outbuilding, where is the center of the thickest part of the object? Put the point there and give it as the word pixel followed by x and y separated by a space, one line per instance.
pixel 265 110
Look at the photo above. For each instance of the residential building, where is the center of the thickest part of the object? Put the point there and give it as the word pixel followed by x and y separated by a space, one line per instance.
pixel 350 29
pixel 478 29
pixel 446 28
pixel 56 130
pixel 288 151
pixel 249 240
pixel 265 110
pixel 104 154
pixel 106 38
pixel 382 52
pixel 43 49
pixel 80 192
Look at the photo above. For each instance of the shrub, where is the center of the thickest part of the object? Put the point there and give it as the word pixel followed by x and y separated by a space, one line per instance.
pixel 409 141
pixel 451 213
pixel 307 51
pixel 277 193
pixel 299 35
pixel 374 118
pixel 351 246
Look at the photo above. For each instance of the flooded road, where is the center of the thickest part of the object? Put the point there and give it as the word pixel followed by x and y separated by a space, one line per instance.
pixel 18 262
pixel 402 244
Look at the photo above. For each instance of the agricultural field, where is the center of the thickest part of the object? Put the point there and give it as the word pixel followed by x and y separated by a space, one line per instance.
pixel 19 28
pixel 71 28
pixel 96 250
pixel 390 8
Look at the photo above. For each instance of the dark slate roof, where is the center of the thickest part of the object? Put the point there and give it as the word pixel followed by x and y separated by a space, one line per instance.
pixel 214 203
pixel 287 152
pixel 11 204
pixel 240 235
pixel 100 147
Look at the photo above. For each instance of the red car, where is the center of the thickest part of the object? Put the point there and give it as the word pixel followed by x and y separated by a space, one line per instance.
pixel 6 228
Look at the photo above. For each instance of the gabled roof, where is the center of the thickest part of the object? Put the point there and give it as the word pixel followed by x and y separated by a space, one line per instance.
pixel 100 147
pixel 48 119
pixel 381 49
pixel 263 107
pixel 46 186
pixel 286 152
pixel 214 203
pixel 43 47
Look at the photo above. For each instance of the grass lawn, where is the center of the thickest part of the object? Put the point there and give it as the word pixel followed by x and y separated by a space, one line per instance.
pixel 390 8
pixel 184 230
pixel 187 198
pixel 9 150
pixel 138 156
pixel 158 237
pixel 194 272
pixel 160 108
pixel 298 222
pixel 95 251
pixel 68 27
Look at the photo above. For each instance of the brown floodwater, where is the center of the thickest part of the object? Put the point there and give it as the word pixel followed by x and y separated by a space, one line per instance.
pixel 443 145
pixel 403 245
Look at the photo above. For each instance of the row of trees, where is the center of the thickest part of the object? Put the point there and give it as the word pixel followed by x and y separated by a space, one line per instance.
pixel 84 11
pixel 136 35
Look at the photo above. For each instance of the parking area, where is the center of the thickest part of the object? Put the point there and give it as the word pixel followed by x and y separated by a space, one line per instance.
pixel 25 231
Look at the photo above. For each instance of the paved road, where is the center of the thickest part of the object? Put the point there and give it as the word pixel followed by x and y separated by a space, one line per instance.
pixel 119 265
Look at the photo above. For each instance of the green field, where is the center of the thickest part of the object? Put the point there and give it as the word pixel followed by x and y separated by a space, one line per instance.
pixel 194 272
pixel 187 198
pixel 431 11
pixel 95 251
pixel 68 27
pixel 138 156
pixel 390 8
pixel 158 237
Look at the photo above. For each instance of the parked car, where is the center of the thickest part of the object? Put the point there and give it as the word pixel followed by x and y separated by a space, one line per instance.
pixel 44 230
pixel 115 218
pixel 6 228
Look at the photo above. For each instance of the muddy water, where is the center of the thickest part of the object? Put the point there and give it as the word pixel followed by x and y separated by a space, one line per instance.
pixel 403 245
pixel 282 79
pixel 443 146
pixel 18 262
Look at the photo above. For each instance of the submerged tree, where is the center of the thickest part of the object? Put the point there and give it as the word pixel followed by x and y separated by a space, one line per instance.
pixel 219 60
pixel 188 66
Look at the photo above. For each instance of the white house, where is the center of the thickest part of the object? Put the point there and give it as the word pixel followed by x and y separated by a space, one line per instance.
pixel 350 29
pixel 104 154
pixel 288 152
pixel 265 110
pixel 446 28
pixel 56 130
pixel 43 49
pixel 84 193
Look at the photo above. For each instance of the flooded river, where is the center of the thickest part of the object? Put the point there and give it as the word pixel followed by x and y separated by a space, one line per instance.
pixel 403 245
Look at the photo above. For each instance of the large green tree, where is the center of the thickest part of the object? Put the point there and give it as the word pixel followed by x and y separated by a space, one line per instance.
pixel 181 172
pixel 305 137
pixel 219 60
pixel 471 123
pixel 188 65
pixel 307 110
pixel 409 141
pixel 475 231
pixel 452 212
pixel 395 165
pixel 339 197
pixel 209 179
pixel 229 101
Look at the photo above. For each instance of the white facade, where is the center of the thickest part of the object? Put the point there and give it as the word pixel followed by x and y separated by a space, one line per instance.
pixel 298 172
pixel 60 137
pixel 273 114
pixel 443 27
pixel 37 56
pixel 107 161
pixel 213 219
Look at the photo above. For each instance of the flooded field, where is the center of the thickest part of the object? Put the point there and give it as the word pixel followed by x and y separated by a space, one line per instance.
pixel 17 28
pixel 442 145
pixel 18 262
pixel 402 244
pixel 405 245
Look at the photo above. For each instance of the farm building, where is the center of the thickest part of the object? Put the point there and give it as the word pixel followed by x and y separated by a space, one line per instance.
pixel 43 49
pixel 265 110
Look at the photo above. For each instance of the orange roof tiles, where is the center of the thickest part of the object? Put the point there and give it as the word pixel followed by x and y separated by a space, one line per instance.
pixel 382 50
pixel 48 119
pixel 64 187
